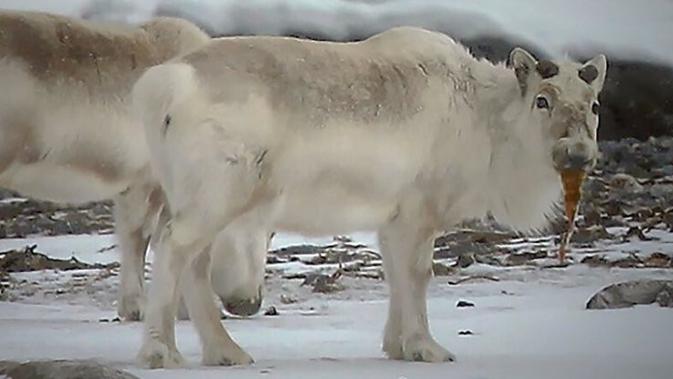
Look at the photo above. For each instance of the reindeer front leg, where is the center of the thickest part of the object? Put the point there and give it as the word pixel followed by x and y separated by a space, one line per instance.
pixel 218 346
pixel 407 252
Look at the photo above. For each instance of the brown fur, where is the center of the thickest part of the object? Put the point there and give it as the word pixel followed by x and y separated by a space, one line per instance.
pixel 18 140
pixel 547 69
pixel 588 74
pixel 57 49
pixel 357 88
pixel 67 133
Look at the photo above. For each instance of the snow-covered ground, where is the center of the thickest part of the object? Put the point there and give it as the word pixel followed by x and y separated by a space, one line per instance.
pixel 530 324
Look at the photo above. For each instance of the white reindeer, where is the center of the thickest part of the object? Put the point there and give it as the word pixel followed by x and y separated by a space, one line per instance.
pixel 404 133
pixel 66 133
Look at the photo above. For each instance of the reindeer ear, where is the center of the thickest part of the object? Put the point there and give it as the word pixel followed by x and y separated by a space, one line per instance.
pixel 524 65
pixel 593 72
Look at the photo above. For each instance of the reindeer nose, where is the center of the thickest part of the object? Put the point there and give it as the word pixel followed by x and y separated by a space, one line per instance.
pixel 578 161
pixel 573 156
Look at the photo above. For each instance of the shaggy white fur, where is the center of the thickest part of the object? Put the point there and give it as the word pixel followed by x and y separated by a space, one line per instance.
pixel 404 133
pixel 66 133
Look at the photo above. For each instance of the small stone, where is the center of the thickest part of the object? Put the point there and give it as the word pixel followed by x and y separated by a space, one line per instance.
pixel 465 333
pixel 664 298
pixel 439 269
pixel 519 259
pixel 595 260
pixel 271 311
pixel 625 182
pixel 287 299
pixel 465 260
pixel 464 304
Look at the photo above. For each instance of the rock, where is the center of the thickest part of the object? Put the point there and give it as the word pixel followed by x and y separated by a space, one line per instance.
pixel 625 182
pixel 271 311
pixel 519 259
pixel 631 261
pixel 61 369
pixel 591 234
pixel 439 269
pixel 488 260
pixel 665 298
pixel 322 283
pixel 299 250
pixel 465 260
pixel 659 260
pixel 628 294
pixel 287 299
pixel 635 232
pixel 464 304
pixel 595 261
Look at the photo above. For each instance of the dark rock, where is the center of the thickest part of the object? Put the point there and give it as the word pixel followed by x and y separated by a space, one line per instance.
pixel 464 304
pixel 298 250
pixel 488 260
pixel 631 261
pixel 591 234
pixel 271 311
pixel 465 260
pixel 524 258
pixel 635 232
pixel 61 369
pixel 595 261
pixel 439 269
pixel 625 182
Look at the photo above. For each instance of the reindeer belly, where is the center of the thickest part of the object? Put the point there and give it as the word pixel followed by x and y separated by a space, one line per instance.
pixel 326 211
pixel 341 182
pixel 72 153
pixel 62 183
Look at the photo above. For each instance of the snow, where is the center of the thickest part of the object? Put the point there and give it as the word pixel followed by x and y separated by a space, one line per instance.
pixel 624 28
pixel 540 331
pixel 530 324
pixel 289 239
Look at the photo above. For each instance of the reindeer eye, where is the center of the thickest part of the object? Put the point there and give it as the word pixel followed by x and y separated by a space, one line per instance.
pixel 595 107
pixel 541 102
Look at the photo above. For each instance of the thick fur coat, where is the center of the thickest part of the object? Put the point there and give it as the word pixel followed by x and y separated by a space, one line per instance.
pixel 404 133
pixel 67 133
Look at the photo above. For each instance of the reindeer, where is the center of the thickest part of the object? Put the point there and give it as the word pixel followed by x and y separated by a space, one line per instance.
pixel 66 133
pixel 405 133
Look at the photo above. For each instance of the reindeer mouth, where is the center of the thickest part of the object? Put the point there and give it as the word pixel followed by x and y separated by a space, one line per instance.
pixel 574 155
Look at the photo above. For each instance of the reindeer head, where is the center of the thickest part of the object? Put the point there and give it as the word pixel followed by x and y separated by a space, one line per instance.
pixel 562 100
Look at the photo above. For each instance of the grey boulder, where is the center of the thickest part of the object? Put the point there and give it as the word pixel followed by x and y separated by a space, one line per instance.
pixel 61 369
pixel 637 292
